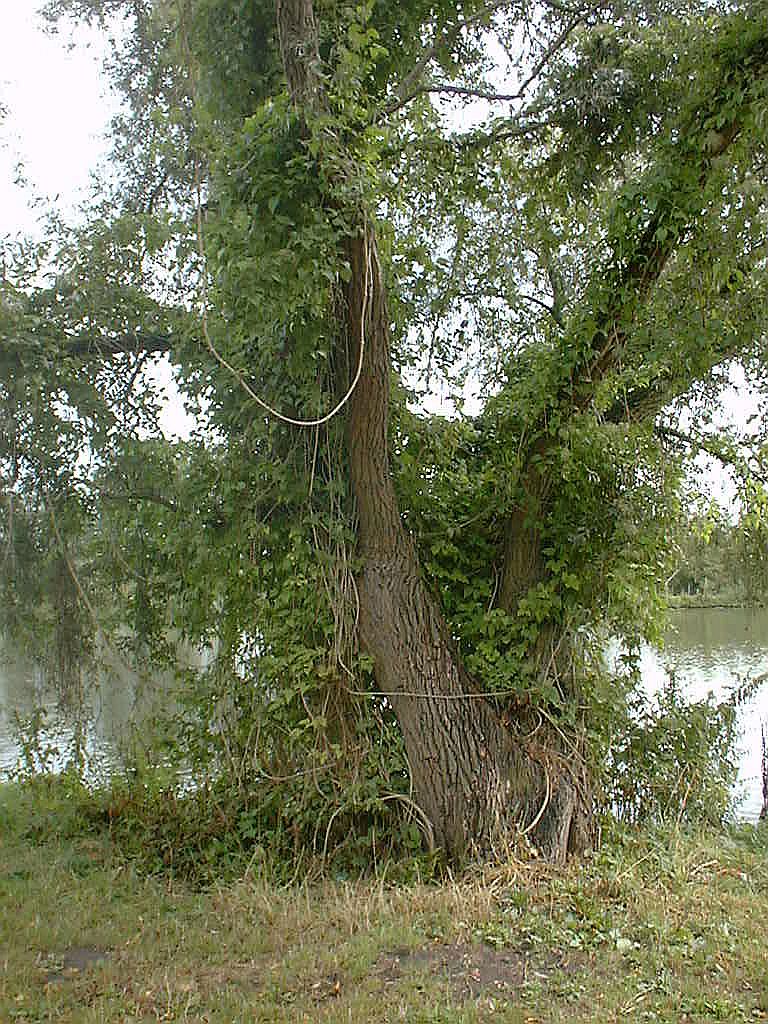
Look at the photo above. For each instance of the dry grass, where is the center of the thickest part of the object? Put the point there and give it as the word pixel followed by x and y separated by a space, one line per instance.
pixel 646 931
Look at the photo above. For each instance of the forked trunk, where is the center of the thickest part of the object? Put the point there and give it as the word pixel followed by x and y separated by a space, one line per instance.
pixel 474 779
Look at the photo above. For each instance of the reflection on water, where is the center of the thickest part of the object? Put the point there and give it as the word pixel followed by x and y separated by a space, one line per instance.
pixel 709 650
pixel 713 650
pixel 68 728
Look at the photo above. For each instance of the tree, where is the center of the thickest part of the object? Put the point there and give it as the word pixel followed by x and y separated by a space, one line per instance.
pixel 591 250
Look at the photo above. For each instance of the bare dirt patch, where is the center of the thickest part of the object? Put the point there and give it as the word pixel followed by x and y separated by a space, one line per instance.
pixel 71 963
pixel 472 970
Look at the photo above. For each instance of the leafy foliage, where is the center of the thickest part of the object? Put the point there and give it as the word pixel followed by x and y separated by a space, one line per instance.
pixel 588 254
pixel 673 760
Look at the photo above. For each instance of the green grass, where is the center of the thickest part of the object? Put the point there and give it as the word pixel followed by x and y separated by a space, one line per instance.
pixel 649 929
pixel 730 597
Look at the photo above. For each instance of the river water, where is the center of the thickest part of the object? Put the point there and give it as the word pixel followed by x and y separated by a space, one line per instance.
pixel 709 650
pixel 93 726
pixel 712 650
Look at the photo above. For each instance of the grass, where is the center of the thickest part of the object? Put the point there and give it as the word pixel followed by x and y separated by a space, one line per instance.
pixel 729 597
pixel 649 929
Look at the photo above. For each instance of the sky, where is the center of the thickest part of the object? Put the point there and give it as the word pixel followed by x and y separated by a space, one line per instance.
pixel 58 108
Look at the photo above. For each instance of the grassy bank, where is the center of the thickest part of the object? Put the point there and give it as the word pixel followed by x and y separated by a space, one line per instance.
pixel 647 930
pixel 732 598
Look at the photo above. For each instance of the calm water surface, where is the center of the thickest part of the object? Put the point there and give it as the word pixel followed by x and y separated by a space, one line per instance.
pixel 709 650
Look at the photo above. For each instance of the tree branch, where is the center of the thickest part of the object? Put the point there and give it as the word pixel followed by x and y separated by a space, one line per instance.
pixel 129 496
pixel 552 310
pixel 708 445
pixel 677 195
pixel 91 346
pixel 131 342
pixel 409 90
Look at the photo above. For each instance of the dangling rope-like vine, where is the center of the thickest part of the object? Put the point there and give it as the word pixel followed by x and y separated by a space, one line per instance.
pixel 236 373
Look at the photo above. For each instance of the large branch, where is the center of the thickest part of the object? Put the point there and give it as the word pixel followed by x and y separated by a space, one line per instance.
pixel 678 190
pixel 412 86
pixel 99 346
pixel 86 346
pixel 643 402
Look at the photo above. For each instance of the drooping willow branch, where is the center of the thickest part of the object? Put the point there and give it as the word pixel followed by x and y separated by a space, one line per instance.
pixel 711 446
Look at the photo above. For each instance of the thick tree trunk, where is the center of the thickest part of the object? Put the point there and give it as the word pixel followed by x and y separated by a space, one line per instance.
pixel 474 779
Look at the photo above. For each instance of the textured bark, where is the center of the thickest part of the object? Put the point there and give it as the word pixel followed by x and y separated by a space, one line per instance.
pixel 523 567
pixel 460 755
pixel 473 778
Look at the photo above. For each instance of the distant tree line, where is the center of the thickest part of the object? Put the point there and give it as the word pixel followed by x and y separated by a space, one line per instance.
pixel 722 562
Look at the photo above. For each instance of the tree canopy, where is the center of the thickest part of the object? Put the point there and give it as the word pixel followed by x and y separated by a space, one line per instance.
pixel 324 214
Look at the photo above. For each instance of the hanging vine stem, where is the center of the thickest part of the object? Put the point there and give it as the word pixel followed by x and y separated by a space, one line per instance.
pixel 529 828
pixel 236 373
pixel 427 827
pixel 338 581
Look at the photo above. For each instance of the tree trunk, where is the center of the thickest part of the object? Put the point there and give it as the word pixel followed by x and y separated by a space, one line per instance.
pixel 566 824
pixel 474 779
pixel 523 567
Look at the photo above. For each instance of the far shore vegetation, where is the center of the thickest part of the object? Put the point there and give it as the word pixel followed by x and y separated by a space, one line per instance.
pixel 717 563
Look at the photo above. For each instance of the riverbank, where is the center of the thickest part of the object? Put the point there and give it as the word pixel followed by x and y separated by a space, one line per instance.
pixel 646 930
pixel 725 599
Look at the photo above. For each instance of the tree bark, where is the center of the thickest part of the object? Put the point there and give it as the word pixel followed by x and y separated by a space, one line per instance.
pixel 473 778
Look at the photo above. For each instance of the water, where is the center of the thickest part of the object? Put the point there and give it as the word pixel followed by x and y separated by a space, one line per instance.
pixel 116 699
pixel 710 651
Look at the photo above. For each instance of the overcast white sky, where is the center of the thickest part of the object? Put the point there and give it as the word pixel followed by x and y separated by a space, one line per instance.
pixel 58 107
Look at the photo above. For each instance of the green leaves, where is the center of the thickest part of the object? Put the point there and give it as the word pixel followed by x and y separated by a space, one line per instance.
pixel 579 260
